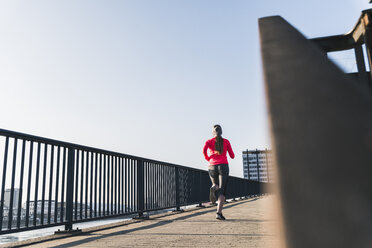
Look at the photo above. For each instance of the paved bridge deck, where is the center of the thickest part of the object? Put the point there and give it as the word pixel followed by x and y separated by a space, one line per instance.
pixel 250 223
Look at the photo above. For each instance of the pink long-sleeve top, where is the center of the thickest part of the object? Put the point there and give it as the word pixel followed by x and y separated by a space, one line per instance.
pixel 215 158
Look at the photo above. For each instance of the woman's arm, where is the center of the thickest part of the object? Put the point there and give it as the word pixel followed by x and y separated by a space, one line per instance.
pixel 205 151
pixel 229 149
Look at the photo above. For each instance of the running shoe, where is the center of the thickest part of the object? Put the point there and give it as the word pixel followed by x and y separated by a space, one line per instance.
pixel 212 195
pixel 219 216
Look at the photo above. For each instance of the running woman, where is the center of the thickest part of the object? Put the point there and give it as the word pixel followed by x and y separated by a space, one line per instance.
pixel 218 167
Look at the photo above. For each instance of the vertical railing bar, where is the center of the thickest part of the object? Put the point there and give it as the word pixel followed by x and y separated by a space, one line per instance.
pixel 10 211
pixel 29 183
pixel 167 191
pixel 50 184
pixel 137 188
pixel 63 184
pixel 82 183
pixel 148 178
pixel 57 185
pixel 165 188
pixel 119 186
pixel 112 184
pixel 161 182
pixel 21 185
pixel 93 169
pixel 37 182
pixel 108 195
pixel 126 184
pixel 104 186
pixel 75 204
pixel 98 159
pixel 164 193
pixel 152 185
pixel 3 182
pixel 44 184
pixel 170 185
pixel 87 183
pixel 155 185
pixel 100 184
pixel 166 181
pixel 137 182
pixel 156 203
pixel 145 178
pixel 160 192
pixel 107 208
pixel 116 185
pixel 156 181
pixel 122 185
pixel 159 185
pixel 133 186
pixel 130 186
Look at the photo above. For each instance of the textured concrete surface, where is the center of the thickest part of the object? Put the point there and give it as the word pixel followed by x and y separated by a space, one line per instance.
pixel 250 223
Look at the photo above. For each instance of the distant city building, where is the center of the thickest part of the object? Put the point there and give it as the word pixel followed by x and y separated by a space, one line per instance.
pixel 15 198
pixel 257 165
pixel 39 205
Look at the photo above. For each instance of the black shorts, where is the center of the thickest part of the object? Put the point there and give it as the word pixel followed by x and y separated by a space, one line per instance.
pixel 219 175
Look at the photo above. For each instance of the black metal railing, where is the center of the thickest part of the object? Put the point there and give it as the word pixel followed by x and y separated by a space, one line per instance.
pixel 47 183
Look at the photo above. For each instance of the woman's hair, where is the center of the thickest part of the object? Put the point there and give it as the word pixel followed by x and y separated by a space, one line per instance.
pixel 217 130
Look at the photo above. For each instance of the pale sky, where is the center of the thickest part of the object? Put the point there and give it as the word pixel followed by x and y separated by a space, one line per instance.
pixel 147 78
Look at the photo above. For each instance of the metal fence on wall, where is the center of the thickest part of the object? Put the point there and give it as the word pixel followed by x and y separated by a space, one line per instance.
pixel 48 183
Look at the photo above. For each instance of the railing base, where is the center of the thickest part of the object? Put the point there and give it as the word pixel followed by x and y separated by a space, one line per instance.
pixel 71 231
pixel 200 206
pixel 141 217
pixel 178 211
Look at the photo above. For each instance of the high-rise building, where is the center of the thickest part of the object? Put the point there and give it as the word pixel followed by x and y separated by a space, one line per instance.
pixel 257 165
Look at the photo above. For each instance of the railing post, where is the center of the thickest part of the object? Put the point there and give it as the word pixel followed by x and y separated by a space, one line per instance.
pixel 177 188
pixel 70 188
pixel 140 188
pixel 200 191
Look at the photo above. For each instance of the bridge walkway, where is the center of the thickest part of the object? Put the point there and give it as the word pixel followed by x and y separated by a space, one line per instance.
pixel 250 223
